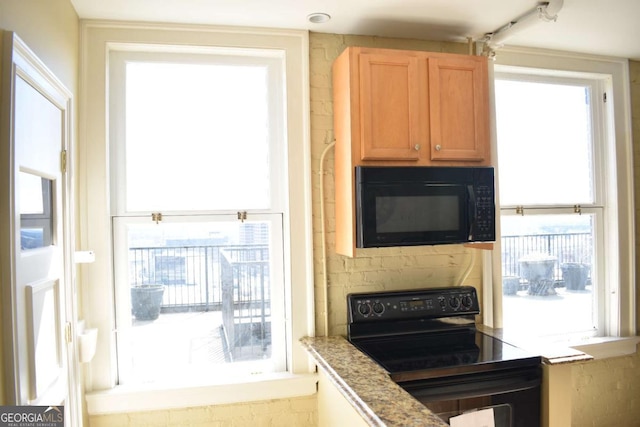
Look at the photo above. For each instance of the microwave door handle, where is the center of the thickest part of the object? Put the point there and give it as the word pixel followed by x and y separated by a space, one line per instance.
pixel 471 211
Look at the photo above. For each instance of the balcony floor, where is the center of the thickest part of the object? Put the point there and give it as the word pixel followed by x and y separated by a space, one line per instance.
pixel 174 341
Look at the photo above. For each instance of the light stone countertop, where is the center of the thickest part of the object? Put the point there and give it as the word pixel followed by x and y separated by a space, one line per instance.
pixel 551 354
pixel 367 386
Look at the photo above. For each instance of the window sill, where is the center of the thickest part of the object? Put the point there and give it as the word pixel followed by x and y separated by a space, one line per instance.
pixel 156 397
pixel 607 347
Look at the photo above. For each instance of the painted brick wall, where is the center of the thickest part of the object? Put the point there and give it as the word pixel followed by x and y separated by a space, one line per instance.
pixel 372 269
pixel 606 392
pixel 296 412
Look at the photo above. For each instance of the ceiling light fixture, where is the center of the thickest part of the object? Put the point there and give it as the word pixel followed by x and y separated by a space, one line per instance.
pixel 319 18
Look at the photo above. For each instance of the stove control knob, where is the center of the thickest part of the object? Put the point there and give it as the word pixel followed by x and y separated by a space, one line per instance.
pixel 454 302
pixel 378 308
pixel 364 309
pixel 467 302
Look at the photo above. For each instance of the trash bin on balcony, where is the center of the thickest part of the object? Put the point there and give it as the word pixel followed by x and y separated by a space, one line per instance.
pixel 575 275
pixel 537 269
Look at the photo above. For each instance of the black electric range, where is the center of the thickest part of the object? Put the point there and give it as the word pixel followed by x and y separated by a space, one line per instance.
pixel 427 341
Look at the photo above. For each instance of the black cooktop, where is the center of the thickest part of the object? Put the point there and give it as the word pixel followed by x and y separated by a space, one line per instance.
pixel 428 333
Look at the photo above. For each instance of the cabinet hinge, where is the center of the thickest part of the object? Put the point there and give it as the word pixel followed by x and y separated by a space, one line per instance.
pixel 63 161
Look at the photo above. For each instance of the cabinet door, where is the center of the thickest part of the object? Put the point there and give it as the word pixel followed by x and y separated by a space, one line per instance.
pixel 390 107
pixel 459 108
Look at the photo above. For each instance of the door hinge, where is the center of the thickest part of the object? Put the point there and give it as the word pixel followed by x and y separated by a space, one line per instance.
pixel 67 332
pixel 604 97
pixel 63 161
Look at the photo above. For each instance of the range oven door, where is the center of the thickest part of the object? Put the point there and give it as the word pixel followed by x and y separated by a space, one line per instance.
pixel 514 393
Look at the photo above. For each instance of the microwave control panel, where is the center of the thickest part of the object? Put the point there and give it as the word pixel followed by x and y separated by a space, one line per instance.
pixel 483 228
pixel 414 304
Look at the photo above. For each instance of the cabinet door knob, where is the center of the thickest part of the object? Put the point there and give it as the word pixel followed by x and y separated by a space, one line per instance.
pixel 438 147
pixel 417 147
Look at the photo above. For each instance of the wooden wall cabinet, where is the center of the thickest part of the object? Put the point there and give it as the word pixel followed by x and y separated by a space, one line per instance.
pixel 404 108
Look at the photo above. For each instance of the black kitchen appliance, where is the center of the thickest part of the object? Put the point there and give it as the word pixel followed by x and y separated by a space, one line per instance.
pixel 406 206
pixel 428 342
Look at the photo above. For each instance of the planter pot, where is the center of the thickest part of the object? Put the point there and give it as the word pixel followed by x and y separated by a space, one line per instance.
pixel 538 270
pixel 574 275
pixel 146 301
pixel 510 285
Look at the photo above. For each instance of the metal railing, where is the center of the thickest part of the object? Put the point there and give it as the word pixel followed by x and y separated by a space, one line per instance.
pixel 246 306
pixel 565 247
pixel 193 275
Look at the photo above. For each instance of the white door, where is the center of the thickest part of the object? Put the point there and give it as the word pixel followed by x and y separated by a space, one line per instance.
pixel 40 299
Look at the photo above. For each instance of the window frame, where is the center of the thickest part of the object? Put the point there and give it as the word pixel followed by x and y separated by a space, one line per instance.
pixel 619 228
pixel 98 38
pixel 272 60
pixel 599 162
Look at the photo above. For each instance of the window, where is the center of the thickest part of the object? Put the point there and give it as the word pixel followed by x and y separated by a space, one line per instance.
pixel 36 221
pixel 198 140
pixel 277 217
pixel 551 209
pixel 563 209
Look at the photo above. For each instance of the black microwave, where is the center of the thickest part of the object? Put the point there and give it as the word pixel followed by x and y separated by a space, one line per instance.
pixel 415 205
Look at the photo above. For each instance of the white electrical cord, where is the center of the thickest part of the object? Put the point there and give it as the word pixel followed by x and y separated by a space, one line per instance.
pixel 325 282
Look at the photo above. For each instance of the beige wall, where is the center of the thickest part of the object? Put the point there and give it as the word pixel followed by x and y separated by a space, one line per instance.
pixel 50 29
pixel 606 392
pixel 372 269
pixel 284 412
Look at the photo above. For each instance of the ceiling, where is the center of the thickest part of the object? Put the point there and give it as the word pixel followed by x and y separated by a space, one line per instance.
pixel 610 27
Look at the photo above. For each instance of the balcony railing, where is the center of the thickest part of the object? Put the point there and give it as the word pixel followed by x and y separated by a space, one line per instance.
pixel 565 248
pixel 193 275
pixel 232 279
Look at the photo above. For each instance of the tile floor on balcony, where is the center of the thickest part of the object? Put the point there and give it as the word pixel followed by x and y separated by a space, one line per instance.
pixel 191 342
pixel 174 340
pixel 532 315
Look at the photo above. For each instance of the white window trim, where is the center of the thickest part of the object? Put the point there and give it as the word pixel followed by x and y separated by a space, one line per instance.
pixel 97 38
pixel 622 318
